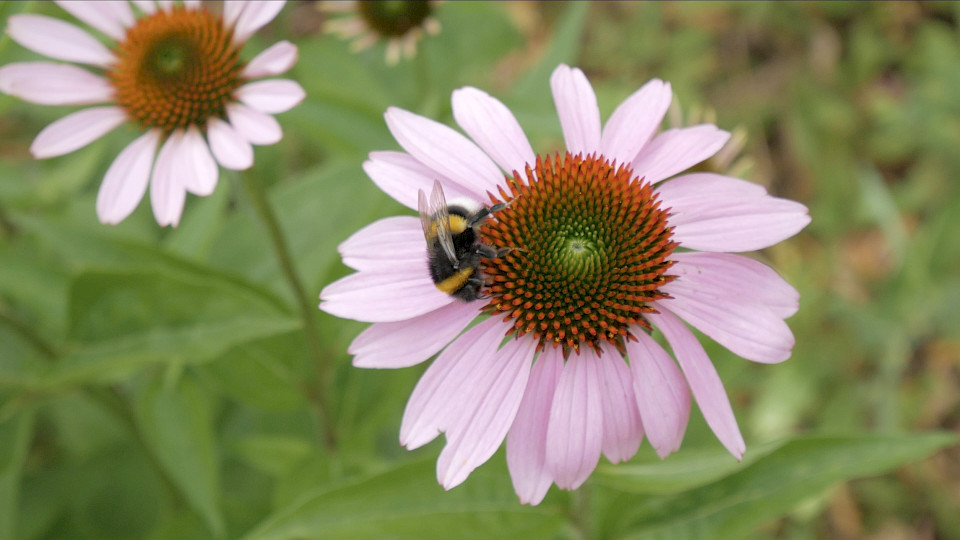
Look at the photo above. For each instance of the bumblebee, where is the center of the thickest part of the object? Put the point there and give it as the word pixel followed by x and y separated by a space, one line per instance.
pixel 454 249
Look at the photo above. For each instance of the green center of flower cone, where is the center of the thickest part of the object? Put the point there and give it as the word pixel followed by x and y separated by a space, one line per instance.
pixel 176 68
pixel 589 246
pixel 392 18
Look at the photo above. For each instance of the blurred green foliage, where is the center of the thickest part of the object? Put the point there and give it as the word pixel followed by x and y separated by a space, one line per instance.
pixel 155 383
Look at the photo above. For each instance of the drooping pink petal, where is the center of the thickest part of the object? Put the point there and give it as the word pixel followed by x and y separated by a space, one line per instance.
pixel 703 379
pixel 76 130
pixel 663 397
pixel 622 430
pixel 272 96
pixel 377 245
pixel 126 180
pixel 45 83
pixel 167 193
pixel 437 395
pixel 111 18
pixel 391 345
pixel 192 4
pixel 229 147
pixel 196 168
pixel 676 150
pixel 165 5
pixel 750 330
pixel 383 297
pixel 274 60
pixel 148 7
pixel 712 212
pixel 254 126
pixel 749 280
pixel 58 39
pixel 401 176
pixel 494 128
pixel 527 438
pixel 575 430
pixel 577 108
pixel 490 404
pixel 444 150
pixel 635 121
pixel 253 17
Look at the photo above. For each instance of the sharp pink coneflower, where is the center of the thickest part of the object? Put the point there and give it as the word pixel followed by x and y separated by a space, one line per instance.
pixel 173 70
pixel 608 243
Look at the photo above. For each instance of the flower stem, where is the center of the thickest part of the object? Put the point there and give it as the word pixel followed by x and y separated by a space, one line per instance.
pixel 317 393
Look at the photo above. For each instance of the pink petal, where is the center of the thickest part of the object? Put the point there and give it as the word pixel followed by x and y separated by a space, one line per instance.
pixel 76 130
pixel 676 150
pixel 229 147
pixel 622 430
pixel 46 83
pixel 635 121
pixel 401 176
pixel 575 430
pixel 254 126
pixel 749 280
pixel 110 17
pixel 494 128
pixel 711 212
pixel 126 180
pixel 437 395
pixel 148 7
pixel 274 60
pixel 192 4
pixel 390 345
pixel 58 39
pixel 379 244
pixel 232 10
pixel 383 297
pixel 489 405
pixel 166 190
pixel 444 150
pixel 750 330
pixel 703 379
pixel 197 169
pixel 165 5
pixel 253 17
pixel 527 438
pixel 663 397
pixel 577 107
pixel 271 96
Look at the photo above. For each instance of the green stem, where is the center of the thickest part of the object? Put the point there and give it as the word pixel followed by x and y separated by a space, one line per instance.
pixel 319 392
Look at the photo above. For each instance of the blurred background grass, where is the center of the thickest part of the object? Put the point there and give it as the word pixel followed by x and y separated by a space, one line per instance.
pixel 851 108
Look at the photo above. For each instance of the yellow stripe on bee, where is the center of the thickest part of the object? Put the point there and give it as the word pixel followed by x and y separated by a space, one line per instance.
pixel 458 224
pixel 455 282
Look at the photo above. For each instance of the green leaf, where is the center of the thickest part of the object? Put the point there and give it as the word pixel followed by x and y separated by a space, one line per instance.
pixel 684 470
pixel 770 487
pixel 276 455
pixel 122 321
pixel 406 502
pixel 176 421
pixel 259 372
pixel 15 436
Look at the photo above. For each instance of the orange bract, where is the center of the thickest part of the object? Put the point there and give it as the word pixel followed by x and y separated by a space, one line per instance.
pixel 590 252
pixel 176 68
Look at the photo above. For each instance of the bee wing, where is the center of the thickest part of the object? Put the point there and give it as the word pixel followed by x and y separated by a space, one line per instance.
pixel 425 215
pixel 435 219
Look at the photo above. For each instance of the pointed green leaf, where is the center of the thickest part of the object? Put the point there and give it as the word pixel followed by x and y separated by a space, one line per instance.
pixel 407 503
pixel 177 423
pixel 770 487
pixel 15 436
